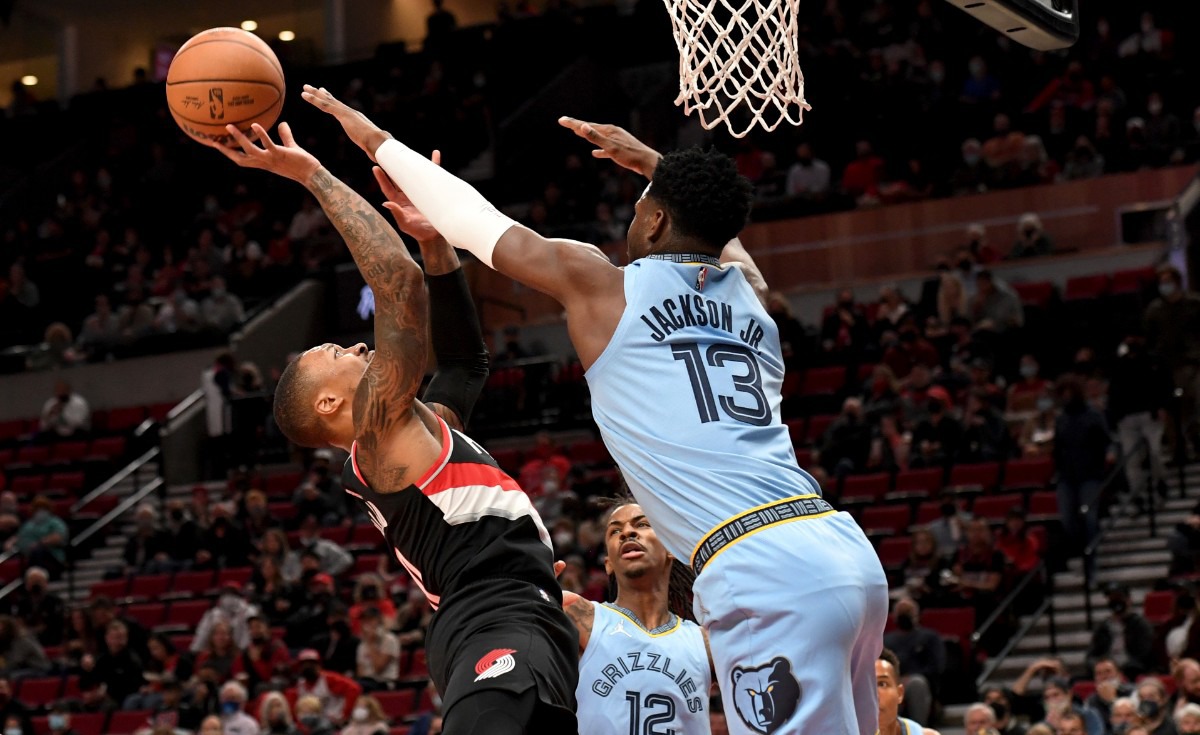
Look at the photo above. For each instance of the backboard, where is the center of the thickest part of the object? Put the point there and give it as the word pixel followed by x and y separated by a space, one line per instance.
pixel 1039 24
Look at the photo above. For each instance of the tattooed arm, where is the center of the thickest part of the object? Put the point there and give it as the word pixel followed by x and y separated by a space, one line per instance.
pixel 583 614
pixel 383 403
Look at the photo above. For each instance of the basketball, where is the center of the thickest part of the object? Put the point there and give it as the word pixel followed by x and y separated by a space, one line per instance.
pixel 224 76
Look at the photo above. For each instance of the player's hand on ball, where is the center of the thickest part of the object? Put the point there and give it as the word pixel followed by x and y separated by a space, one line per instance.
pixel 617 144
pixel 408 218
pixel 287 159
pixel 365 134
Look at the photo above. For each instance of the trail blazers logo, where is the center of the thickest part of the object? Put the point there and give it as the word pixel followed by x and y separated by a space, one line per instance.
pixel 765 696
pixel 496 663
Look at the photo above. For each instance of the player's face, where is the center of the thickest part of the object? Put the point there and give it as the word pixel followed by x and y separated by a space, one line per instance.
pixel 338 369
pixel 647 222
pixel 891 692
pixel 633 548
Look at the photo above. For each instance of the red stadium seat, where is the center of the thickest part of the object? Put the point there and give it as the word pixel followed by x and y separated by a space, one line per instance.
pixel 795 431
pixel 39 692
pixel 148 615
pixel 125 419
pixel 822 381
pixel 71 687
pixel 150 586
pixel 240 575
pixel 35 454
pixel 13 429
pixel 396 705
pixel 983 476
pixel 1035 473
pixel 925 483
pixel 366 564
pixel 88 723
pixel 282 484
pixel 928 512
pixel 1043 505
pixel 894 551
pixel 124 722
pixel 337 534
pixel 1132 281
pixel 28 485
pixel 589 452
pixel 817 426
pixel 804 458
pixel 865 488
pixel 113 588
pixel 187 612
pixel 182 641
pixel 508 459
pixel 41 725
pixel 1083 689
pixel 1086 287
pixel 365 535
pixel 885 519
pixel 68 451
pixel 159 411
pixel 420 665
pixel 71 481
pixel 996 507
pixel 285 511
pixel 955 623
pixel 1035 294
pixel 191 584
pixel 1159 606
pixel 110 447
pixel 10 570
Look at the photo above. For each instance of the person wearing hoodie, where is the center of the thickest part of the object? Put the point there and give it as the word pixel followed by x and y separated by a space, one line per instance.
pixel 1081 442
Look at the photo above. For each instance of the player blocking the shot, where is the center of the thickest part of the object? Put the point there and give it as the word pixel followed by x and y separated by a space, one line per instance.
pixel 643 666
pixel 502 653
pixel 790 591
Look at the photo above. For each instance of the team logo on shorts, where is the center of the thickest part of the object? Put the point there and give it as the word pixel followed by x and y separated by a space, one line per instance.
pixel 496 663
pixel 766 696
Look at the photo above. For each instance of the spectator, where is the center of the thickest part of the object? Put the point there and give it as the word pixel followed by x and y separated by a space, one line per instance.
pixel 1020 548
pixel 20 653
pixel 973 174
pixel 101 330
pixel 936 439
pixel 264 659
pixel 336 643
pixel 336 694
pixel 951 298
pixel 274 715
pixel 101 613
pixel 1125 636
pixel 1037 433
pixel 844 330
pixel 1139 392
pixel 1081 443
pixel 59 720
pixel 980 569
pixel 178 314
pixel 980 87
pixel 1187 719
pixel 333 558
pixel 219 653
pixel 234 721
pixel 1162 130
pixel 808 177
pixel 22 289
pixel 1125 716
pixel 1023 394
pixel 923 570
pixel 1072 90
pixel 211 725
pixel 1000 152
pixel 369 592
pixel 985 437
pixel 118 669
pixel 11 709
pixel 147 550
pixel 378 652
pixel 221 310
pixel 311 717
pixel 225 544
pixel 412 620
pixel 793 339
pixel 311 612
pixel 1153 707
pixel 42 611
pixel 1084 161
pixel 1072 723
pixel 183 533
pixel 367 718
pixel 42 539
pixel 1184 543
pixel 163 663
pixel 231 609
pixel 979 719
pixel 257 518
pixel 1032 240
pixel 862 176
pixel 892 307
pixel 1111 685
pixel 882 398
pixel 997 698
pixel 847 442
pixel 1034 165
pixel 1172 325
pixel 67 415
pixel 921 656
pixel 909 350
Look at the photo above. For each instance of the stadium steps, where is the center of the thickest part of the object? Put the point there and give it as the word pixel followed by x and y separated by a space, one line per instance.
pixel 1128 554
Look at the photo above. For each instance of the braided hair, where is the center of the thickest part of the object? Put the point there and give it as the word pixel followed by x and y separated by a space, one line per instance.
pixel 679 587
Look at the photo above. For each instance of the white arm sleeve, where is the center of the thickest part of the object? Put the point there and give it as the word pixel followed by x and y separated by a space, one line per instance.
pixel 453 207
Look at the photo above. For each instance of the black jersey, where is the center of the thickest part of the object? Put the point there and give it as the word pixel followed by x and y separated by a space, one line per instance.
pixel 465 521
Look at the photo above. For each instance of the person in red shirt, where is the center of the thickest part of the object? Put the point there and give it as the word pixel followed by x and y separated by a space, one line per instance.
pixel 337 693
pixel 1023 395
pixel 264 659
pixel 1022 549
pixel 862 176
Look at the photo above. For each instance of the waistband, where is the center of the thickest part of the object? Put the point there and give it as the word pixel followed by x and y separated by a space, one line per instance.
pixel 797 508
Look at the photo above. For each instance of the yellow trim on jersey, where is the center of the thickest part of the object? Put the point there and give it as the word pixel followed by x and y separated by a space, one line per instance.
pixel 755 509
pixel 677 626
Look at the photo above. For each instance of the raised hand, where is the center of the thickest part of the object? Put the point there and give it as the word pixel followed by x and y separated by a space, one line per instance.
pixel 616 144
pixel 408 218
pixel 288 159
pixel 365 134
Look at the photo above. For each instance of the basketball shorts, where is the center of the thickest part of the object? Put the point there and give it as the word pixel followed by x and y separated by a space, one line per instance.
pixel 795 611
pixel 509 635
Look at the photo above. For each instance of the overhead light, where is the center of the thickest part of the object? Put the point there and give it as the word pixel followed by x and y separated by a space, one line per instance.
pixel 287 36
pixel 29 80
pixel 249 25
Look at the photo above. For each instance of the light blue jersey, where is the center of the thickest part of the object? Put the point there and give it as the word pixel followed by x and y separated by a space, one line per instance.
pixel 687 398
pixel 908 727
pixel 633 681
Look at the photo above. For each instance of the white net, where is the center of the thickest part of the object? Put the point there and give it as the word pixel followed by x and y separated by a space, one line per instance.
pixel 739 63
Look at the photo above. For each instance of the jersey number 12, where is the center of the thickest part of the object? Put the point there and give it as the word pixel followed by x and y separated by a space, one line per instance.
pixel 748 383
pixel 638 726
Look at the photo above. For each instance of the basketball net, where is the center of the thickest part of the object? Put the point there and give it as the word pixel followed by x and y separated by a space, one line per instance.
pixel 739 64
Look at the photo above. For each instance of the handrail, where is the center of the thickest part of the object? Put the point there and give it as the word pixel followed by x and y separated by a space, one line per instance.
pixel 181 407
pixel 1089 552
pixel 1007 602
pixel 111 482
pixel 130 501
pixel 995 661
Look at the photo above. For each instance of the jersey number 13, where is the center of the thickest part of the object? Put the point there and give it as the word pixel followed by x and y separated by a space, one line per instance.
pixel 747 385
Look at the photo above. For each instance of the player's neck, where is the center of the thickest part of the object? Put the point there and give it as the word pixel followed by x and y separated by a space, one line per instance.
pixel 677 247
pixel 892 728
pixel 648 604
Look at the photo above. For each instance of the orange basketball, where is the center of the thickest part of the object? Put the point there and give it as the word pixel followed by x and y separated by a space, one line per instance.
pixel 223 76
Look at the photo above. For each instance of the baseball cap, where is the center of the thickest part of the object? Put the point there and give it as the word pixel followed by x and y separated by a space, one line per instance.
pixel 231 586
pixel 322 578
pixel 309 654
pixel 939 393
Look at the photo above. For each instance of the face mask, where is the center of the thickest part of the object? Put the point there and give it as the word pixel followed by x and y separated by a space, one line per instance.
pixel 1154 108
pixel 1028 371
pixel 936 76
pixel 1045 404
pixel 310 675
pixel 360 714
pixel 1120 728
pixel 1117 606
pixel 905 621
pixel 177 515
pixel 12 731
pixel 1149 709
pixel 563 540
pixel 229 603
pixel 935 408
pixel 976 69
pixel 218 293
pixel 1166 290
pixel 37 589
pixel 1000 709
pixel 229 708
pixel 260 640
pixel 58 722
pixel 310 721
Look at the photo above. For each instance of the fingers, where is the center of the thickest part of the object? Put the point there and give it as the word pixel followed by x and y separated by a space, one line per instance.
pixel 601 153
pixel 436 158
pixel 261 133
pixel 247 146
pixel 389 188
pixel 285 135
pixel 559 566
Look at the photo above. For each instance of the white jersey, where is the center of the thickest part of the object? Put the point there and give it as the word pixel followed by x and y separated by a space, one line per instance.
pixel 634 681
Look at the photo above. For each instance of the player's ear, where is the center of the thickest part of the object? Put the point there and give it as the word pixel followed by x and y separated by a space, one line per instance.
pixel 328 402
pixel 900 691
pixel 657 224
pixel 607 566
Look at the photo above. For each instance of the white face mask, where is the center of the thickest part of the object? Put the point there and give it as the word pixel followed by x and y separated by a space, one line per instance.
pixel 360 714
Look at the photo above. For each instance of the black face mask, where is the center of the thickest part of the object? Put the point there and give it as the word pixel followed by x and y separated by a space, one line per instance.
pixel 1117 606
pixel 260 640
pixel 177 515
pixel 1000 709
pixel 948 510
pixel 1149 710
pixel 310 674
pixel 904 622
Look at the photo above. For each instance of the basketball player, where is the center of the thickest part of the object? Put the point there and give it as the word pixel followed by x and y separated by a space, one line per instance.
pixel 790 591
pixel 891 696
pixel 643 667
pixel 502 653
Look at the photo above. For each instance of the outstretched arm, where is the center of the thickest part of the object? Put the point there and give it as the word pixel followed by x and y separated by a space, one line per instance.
pixel 735 254
pixel 462 356
pixel 385 395
pixel 559 268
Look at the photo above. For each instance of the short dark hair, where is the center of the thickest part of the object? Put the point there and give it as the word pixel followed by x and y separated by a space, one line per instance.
pixel 293 408
pixel 705 195
pixel 890 657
